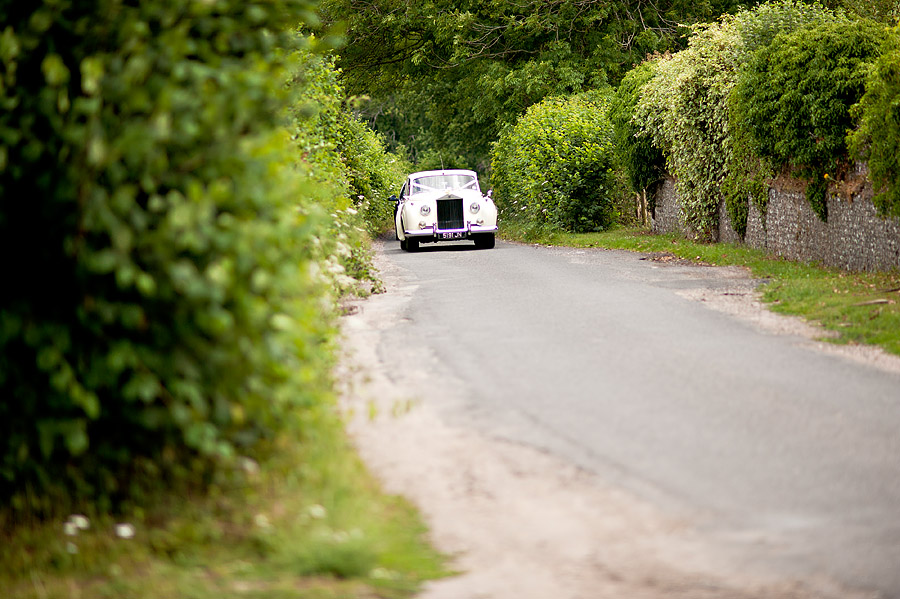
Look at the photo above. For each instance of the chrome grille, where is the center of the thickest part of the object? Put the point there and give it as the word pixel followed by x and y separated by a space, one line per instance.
pixel 450 214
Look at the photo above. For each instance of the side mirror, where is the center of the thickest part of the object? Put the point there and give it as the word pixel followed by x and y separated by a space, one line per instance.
pixel 489 194
pixel 393 198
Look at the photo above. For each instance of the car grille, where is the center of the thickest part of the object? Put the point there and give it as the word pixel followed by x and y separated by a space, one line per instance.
pixel 450 214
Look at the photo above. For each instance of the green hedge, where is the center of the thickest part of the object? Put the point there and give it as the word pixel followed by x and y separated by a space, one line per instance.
pixel 684 109
pixel 555 167
pixel 794 98
pixel 162 310
pixel 352 164
pixel 642 161
pixel 877 141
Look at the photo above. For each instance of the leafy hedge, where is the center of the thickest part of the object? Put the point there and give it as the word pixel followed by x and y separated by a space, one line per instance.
pixel 555 167
pixel 684 110
pixel 351 163
pixel 163 305
pixel 642 161
pixel 769 89
pixel 794 98
pixel 877 141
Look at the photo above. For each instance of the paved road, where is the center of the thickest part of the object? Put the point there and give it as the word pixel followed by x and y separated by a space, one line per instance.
pixel 787 455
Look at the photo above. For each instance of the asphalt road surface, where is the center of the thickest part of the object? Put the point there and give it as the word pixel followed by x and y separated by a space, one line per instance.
pixel 605 360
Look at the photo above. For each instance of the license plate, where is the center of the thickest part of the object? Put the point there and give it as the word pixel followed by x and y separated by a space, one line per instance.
pixel 453 235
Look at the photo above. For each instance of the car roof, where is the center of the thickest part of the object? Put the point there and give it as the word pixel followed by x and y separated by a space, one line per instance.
pixel 455 171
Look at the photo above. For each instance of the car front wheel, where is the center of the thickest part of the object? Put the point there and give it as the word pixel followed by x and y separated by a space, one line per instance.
pixel 484 241
pixel 412 244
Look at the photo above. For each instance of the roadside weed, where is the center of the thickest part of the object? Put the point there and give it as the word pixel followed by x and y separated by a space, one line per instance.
pixel 310 524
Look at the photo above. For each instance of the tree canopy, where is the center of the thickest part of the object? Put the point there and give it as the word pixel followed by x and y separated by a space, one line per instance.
pixel 449 76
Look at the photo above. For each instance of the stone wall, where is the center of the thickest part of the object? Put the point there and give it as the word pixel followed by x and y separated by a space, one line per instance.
pixel 854 238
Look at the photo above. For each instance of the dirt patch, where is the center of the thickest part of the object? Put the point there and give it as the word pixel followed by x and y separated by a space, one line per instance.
pixel 670 258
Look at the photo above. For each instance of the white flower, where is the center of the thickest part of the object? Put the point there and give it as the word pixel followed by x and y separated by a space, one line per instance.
pixel 125 531
pixel 317 511
pixel 75 523
pixel 250 466
pixel 340 536
pixel 262 521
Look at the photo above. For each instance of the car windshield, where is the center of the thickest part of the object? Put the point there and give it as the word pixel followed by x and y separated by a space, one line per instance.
pixel 443 183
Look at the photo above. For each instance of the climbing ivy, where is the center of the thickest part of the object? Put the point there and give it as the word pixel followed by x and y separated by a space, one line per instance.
pixel 877 140
pixel 794 98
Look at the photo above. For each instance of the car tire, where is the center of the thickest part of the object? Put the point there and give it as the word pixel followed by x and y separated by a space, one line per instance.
pixel 403 244
pixel 412 244
pixel 484 241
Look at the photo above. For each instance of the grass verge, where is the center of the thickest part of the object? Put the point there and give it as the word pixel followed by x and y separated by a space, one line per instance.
pixel 311 524
pixel 861 308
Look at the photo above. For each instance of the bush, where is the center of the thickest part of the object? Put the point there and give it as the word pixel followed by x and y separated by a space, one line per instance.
pixel 163 313
pixel 794 98
pixel 747 174
pixel 877 140
pixel 554 167
pixel 683 110
pixel 642 161
pixel 374 174
pixel 351 162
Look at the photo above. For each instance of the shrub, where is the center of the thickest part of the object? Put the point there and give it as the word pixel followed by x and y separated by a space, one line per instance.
pixel 163 312
pixel 748 174
pixel 794 98
pixel 877 140
pixel 351 162
pixel 554 167
pixel 374 174
pixel 642 161
pixel 683 110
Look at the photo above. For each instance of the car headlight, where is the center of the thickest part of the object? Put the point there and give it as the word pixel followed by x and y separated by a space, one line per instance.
pixel 474 207
pixel 425 210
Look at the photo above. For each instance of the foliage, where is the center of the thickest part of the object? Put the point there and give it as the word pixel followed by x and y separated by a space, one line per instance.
pixel 685 110
pixel 165 312
pixel 885 11
pixel 342 150
pixel 374 173
pixel 877 140
pixel 682 109
pixel 642 161
pixel 747 174
pixel 554 168
pixel 350 161
pixel 794 98
pixel 448 76
pixel 310 522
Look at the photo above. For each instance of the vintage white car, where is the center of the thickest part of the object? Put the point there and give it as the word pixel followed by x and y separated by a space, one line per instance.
pixel 441 206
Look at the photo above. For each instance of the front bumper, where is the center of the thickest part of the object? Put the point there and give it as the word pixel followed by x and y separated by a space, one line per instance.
pixel 434 234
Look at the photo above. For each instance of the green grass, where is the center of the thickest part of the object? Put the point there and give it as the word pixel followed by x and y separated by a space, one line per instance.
pixel 311 524
pixel 860 308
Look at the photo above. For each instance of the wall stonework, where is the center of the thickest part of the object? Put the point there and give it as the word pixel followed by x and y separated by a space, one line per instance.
pixel 855 237
pixel 727 234
pixel 667 216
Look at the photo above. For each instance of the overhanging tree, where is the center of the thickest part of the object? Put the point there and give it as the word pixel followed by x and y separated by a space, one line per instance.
pixel 451 75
